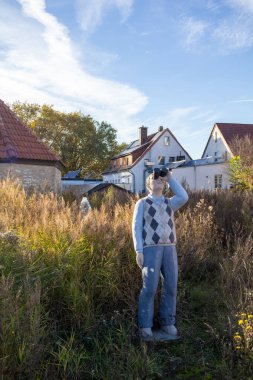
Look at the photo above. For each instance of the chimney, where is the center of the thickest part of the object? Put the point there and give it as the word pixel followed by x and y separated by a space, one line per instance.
pixel 143 135
pixel 160 129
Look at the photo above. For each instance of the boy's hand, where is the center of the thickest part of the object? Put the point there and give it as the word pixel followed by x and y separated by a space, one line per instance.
pixel 140 259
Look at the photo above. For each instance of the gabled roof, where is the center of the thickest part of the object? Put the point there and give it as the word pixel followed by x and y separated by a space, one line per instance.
pixel 152 139
pixel 230 131
pixel 18 142
pixel 135 145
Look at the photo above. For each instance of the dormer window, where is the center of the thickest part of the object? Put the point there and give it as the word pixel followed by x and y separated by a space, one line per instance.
pixel 167 140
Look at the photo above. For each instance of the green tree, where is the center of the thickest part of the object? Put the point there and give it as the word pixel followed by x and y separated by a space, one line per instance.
pixel 81 142
pixel 241 165
pixel 238 174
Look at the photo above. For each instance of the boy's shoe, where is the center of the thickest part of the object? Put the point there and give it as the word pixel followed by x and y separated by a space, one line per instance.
pixel 170 330
pixel 146 334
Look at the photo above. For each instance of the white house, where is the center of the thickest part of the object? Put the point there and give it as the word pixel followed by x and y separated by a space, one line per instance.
pixel 131 167
pixel 212 170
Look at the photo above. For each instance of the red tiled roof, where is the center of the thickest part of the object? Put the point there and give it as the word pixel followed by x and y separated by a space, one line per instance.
pixel 231 130
pixel 18 142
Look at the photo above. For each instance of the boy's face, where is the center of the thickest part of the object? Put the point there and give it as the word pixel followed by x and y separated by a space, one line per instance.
pixel 157 184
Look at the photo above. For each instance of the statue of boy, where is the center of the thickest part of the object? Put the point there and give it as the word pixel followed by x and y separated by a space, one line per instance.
pixel 154 239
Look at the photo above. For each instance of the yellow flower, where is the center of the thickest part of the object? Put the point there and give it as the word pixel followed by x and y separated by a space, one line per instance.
pixel 238 347
pixel 240 322
pixel 237 337
pixel 243 314
pixel 250 316
pixel 249 328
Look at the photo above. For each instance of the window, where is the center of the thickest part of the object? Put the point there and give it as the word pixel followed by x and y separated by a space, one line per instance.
pixel 161 160
pixel 127 161
pixel 114 163
pixel 120 161
pixel 215 137
pixel 166 140
pixel 218 181
pixel 171 159
pixel 180 158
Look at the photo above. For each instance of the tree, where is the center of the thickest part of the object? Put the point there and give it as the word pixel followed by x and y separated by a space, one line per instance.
pixel 81 142
pixel 241 165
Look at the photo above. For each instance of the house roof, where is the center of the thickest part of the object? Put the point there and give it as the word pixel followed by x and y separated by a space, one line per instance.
pixel 104 185
pixel 231 130
pixel 135 145
pixel 18 142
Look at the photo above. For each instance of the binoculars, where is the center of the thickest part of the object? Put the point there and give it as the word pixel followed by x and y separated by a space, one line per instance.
pixel 160 172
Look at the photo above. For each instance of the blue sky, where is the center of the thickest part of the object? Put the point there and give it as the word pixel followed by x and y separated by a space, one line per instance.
pixel 183 64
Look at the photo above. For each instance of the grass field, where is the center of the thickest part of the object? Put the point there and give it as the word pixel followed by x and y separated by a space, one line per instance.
pixel 69 289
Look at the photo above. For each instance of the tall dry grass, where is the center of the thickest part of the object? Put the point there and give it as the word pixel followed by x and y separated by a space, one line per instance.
pixel 69 288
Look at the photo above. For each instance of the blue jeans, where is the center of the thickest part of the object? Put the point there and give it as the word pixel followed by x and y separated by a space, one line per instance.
pixel 158 260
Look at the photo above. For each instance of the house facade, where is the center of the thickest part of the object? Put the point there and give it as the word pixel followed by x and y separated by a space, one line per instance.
pixel 211 172
pixel 131 167
pixel 24 156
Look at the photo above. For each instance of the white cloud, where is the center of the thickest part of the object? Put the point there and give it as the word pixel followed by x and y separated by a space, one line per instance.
pixel 40 64
pixel 229 26
pixel 243 5
pixel 193 30
pixel 235 34
pixel 91 12
pixel 242 101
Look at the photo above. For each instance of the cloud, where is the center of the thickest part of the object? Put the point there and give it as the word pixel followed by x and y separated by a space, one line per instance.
pixel 226 25
pixel 193 30
pixel 91 12
pixel 41 64
pixel 242 101
pixel 236 34
pixel 242 5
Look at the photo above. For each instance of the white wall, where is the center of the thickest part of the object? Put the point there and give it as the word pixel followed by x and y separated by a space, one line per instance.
pixel 198 178
pixel 123 179
pixel 159 149
pixel 217 148
pixel 202 177
pixel 171 150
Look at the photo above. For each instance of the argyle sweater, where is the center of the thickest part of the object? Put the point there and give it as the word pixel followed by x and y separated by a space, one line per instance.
pixel 158 223
pixel 153 218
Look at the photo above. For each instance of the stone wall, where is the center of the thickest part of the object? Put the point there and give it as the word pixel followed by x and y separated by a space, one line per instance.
pixel 37 176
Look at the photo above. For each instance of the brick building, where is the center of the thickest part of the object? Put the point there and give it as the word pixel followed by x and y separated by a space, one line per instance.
pixel 24 156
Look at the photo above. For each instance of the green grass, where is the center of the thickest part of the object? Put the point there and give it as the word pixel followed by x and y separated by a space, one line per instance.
pixel 69 291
